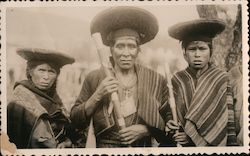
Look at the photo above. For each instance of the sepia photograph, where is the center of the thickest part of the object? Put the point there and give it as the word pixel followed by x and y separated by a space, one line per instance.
pixel 93 78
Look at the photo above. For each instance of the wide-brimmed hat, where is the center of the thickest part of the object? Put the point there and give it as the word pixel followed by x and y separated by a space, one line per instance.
pixel 34 54
pixel 137 19
pixel 207 28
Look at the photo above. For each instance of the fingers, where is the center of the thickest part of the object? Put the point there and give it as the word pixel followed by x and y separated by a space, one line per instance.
pixel 181 138
pixel 130 134
pixel 110 80
pixel 182 142
pixel 167 129
pixel 61 145
pixel 108 85
pixel 128 141
pixel 172 125
pixel 126 134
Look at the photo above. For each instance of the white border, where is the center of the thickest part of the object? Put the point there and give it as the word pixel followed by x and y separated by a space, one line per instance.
pixel 160 150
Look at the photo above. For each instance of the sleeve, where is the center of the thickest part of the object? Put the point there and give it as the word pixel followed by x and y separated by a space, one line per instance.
pixel 165 109
pixel 78 114
pixel 42 136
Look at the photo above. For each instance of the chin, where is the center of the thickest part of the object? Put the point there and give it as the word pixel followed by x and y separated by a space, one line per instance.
pixel 198 67
pixel 43 88
pixel 126 67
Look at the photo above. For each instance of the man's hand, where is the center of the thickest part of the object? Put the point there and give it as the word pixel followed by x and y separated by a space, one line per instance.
pixel 181 138
pixel 65 144
pixel 171 126
pixel 132 133
pixel 107 86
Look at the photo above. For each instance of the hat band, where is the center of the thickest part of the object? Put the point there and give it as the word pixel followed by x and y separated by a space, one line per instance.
pixel 120 33
pixel 198 38
pixel 188 40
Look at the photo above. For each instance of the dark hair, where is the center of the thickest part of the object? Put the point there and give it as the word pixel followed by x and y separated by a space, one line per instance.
pixel 32 64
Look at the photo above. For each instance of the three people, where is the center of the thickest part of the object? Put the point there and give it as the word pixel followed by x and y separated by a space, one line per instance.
pixel 36 117
pixel 201 90
pixel 142 92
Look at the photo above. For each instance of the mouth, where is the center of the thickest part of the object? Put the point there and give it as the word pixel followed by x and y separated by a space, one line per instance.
pixel 126 61
pixel 197 62
pixel 44 84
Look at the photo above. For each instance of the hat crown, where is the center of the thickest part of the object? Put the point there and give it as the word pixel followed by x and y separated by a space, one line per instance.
pixel 115 18
pixel 35 54
pixel 200 27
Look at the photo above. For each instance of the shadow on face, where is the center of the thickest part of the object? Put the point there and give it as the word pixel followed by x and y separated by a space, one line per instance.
pixel 124 52
pixel 43 76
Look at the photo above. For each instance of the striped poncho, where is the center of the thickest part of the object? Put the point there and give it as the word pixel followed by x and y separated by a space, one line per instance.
pixel 202 105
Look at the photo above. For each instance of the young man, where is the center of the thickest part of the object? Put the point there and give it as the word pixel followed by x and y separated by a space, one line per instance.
pixel 142 92
pixel 201 90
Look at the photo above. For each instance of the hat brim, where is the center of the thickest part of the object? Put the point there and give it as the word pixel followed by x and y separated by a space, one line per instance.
pixel 57 58
pixel 140 20
pixel 201 27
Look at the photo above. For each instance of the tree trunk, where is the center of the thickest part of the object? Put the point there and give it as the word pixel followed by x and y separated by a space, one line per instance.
pixel 227 45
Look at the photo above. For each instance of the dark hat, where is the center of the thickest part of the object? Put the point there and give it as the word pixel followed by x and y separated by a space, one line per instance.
pixel 137 19
pixel 57 58
pixel 203 28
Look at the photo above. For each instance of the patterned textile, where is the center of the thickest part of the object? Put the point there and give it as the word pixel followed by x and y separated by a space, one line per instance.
pixel 202 105
pixel 152 96
pixel 34 119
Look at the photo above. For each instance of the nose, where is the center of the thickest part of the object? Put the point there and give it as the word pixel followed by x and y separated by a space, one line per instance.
pixel 197 53
pixel 126 51
pixel 46 75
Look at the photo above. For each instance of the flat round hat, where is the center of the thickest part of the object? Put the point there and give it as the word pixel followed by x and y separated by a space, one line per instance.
pixel 201 27
pixel 45 55
pixel 140 20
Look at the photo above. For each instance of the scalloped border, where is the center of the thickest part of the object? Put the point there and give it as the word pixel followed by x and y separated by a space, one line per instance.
pixel 170 1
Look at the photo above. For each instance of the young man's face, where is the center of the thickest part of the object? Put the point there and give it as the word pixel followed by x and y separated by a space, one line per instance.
pixel 125 52
pixel 197 54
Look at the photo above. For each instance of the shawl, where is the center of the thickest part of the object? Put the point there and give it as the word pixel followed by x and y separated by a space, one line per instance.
pixel 152 97
pixel 28 104
pixel 202 105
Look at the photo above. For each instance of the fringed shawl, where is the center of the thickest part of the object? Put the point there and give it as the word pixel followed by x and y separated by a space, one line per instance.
pixel 202 105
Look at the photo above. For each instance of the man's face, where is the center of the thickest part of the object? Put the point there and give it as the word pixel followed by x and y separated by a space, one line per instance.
pixel 124 52
pixel 43 76
pixel 197 54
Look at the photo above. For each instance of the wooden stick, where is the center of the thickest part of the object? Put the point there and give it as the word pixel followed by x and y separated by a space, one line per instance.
pixel 171 96
pixel 107 66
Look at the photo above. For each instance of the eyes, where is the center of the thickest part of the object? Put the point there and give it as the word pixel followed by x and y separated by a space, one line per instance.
pixel 200 48
pixel 50 71
pixel 121 46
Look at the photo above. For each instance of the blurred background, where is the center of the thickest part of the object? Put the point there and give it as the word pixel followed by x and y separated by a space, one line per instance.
pixel 67 29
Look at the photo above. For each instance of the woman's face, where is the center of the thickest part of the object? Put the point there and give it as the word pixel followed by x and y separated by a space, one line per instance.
pixel 43 76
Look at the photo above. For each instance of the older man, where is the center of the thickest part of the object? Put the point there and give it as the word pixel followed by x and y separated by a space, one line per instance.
pixel 202 92
pixel 142 92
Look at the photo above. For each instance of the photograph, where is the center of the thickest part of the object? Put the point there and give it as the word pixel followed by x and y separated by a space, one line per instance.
pixel 135 78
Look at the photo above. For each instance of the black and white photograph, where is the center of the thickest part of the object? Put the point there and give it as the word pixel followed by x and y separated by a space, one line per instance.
pixel 140 78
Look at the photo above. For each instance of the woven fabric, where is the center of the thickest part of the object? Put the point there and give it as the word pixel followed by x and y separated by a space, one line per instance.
pixel 202 105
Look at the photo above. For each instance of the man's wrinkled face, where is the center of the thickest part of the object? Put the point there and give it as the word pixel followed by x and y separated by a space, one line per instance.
pixel 43 76
pixel 125 52
pixel 197 54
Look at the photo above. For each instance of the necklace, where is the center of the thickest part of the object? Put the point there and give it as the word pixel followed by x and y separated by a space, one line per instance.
pixel 127 85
